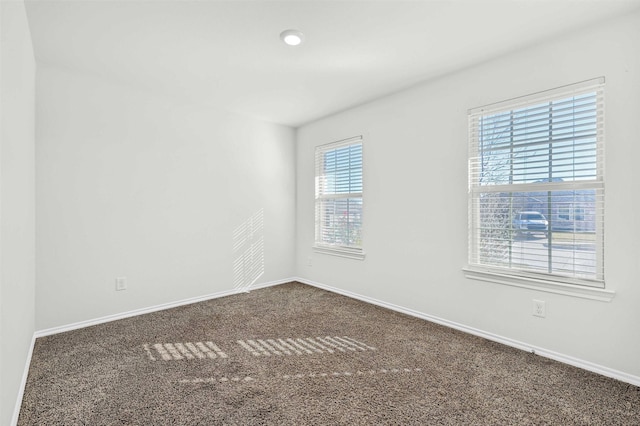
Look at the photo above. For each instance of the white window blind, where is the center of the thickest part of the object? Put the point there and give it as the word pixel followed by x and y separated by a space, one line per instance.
pixel 339 196
pixel 536 186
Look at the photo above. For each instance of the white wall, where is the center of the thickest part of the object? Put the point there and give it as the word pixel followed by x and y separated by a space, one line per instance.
pixel 17 196
pixel 136 185
pixel 415 217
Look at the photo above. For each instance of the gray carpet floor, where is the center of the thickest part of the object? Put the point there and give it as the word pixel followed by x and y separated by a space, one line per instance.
pixel 296 355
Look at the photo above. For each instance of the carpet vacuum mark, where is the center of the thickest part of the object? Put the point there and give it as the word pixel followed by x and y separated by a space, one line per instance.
pixel 333 374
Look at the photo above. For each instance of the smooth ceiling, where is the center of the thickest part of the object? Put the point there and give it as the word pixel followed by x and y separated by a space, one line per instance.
pixel 227 54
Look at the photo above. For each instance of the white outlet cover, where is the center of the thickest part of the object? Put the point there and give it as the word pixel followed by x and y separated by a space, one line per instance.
pixel 121 283
pixel 539 308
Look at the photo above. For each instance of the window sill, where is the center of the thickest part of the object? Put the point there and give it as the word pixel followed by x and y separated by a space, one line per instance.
pixel 572 290
pixel 340 252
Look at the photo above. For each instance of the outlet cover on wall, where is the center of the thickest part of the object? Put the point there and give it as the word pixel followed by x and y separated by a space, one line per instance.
pixel 121 283
pixel 539 308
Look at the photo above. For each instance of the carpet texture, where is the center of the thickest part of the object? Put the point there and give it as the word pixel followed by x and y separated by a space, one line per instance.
pixel 296 355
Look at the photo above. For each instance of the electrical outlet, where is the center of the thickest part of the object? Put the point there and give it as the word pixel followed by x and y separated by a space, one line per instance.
pixel 121 283
pixel 539 308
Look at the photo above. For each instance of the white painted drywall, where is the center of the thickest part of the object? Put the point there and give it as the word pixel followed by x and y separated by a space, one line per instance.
pixel 17 201
pixel 130 184
pixel 415 214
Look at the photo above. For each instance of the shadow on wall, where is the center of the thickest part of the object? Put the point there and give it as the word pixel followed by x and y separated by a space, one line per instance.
pixel 248 252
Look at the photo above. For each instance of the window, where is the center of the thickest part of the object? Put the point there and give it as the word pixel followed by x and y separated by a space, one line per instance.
pixel 564 213
pixel 339 198
pixel 536 186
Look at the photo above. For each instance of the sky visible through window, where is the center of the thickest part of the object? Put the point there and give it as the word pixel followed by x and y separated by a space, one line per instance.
pixel 343 170
pixel 549 141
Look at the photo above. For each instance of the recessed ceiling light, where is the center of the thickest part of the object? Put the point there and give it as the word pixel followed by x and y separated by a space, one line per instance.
pixel 292 37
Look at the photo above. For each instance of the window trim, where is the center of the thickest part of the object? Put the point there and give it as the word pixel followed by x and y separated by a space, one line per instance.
pixel 545 285
pixel 554 283
pixel 348 252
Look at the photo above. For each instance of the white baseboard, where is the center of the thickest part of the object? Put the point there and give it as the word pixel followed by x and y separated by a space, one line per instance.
pixel 147 310
pixel 585 365
pixel 23 383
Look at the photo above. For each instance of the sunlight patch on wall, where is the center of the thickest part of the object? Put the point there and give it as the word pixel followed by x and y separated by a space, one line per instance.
pixel 248 252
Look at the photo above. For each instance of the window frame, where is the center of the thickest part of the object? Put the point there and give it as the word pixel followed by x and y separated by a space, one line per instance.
pixel 553 282
pixel 319 246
